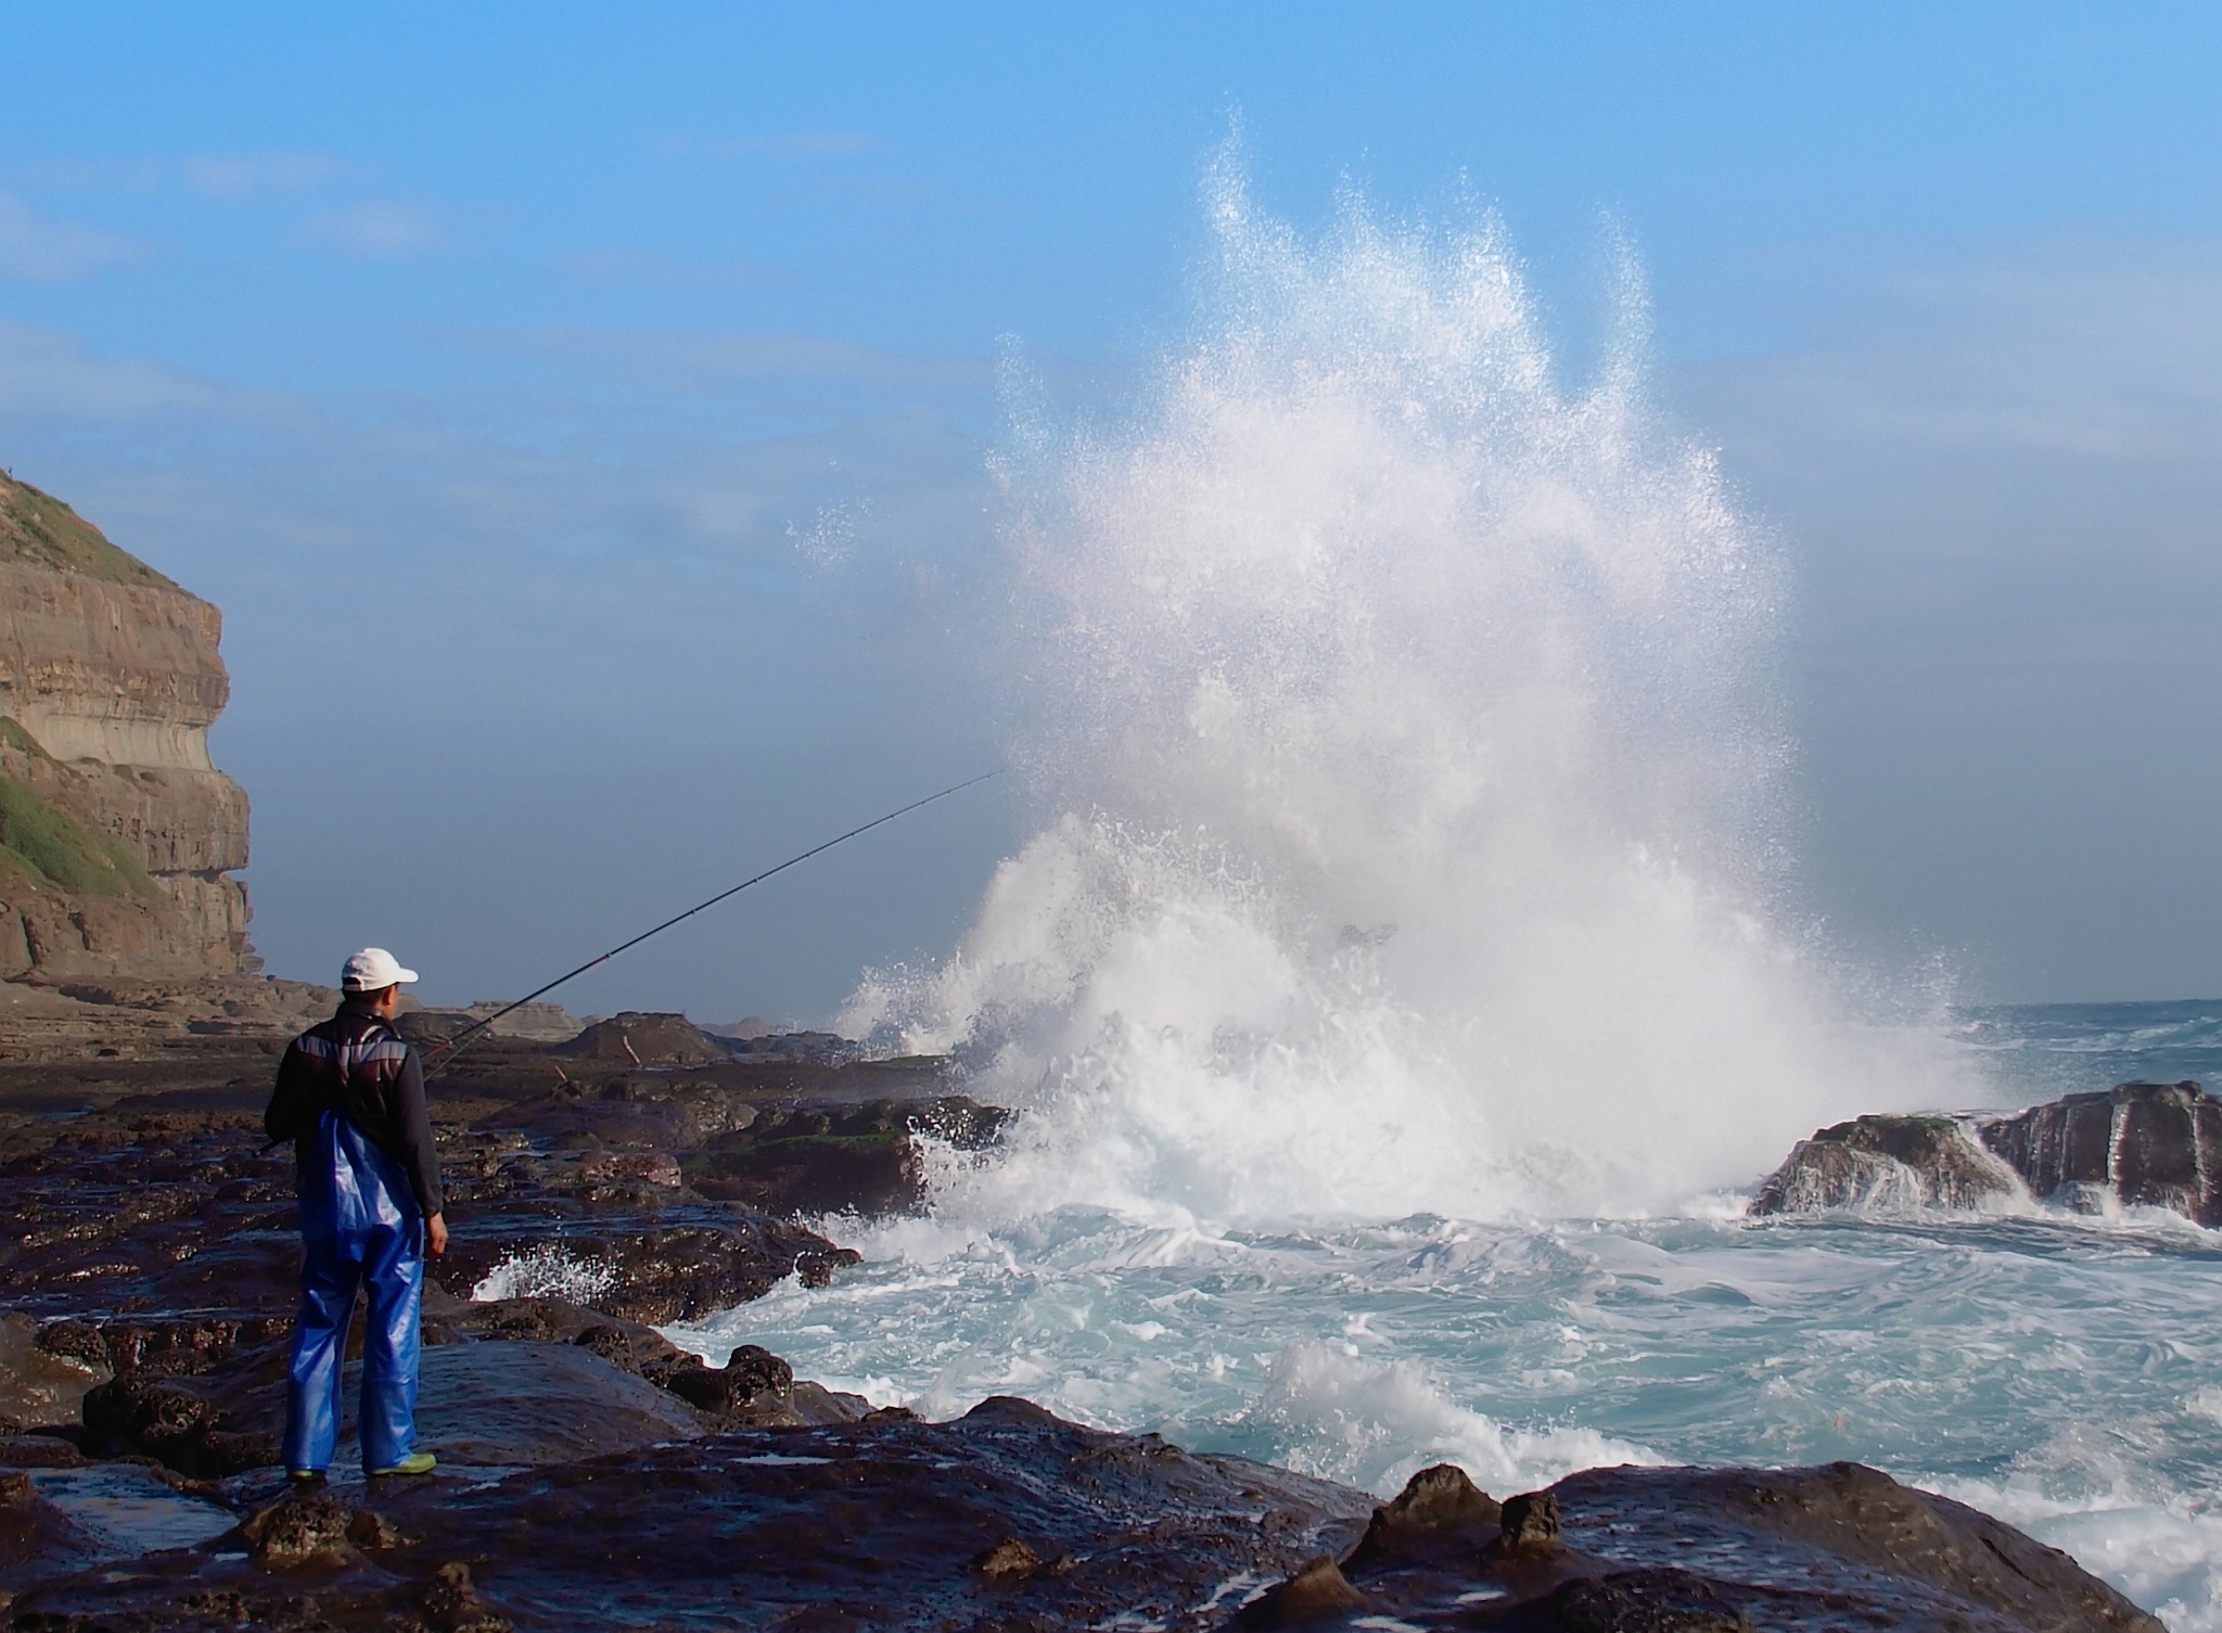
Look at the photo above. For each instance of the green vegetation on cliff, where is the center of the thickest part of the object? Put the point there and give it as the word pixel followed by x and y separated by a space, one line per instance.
pixel 58 853
pixel 38 530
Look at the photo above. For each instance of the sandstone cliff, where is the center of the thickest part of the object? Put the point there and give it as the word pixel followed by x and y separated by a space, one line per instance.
pixel 118 835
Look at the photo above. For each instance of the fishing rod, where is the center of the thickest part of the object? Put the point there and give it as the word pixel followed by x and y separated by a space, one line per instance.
pixel 444 1053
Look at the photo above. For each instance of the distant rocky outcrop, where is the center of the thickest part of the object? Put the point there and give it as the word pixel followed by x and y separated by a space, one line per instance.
pixel 118 835
pixel 1890 1165
pixel 2138 1144
pixel 646 1038
pixel 2135 1145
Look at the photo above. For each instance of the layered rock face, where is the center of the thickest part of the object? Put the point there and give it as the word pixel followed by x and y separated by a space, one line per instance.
pixel 117 832
pixel 2143 1144
pixel 2156 1145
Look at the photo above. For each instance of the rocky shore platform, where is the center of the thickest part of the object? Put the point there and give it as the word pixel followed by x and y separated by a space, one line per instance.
pixel 594 1476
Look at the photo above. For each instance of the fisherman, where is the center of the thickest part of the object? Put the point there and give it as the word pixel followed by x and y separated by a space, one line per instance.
pixel 350 1096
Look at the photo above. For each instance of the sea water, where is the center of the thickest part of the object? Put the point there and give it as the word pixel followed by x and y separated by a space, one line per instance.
pixel 1407 978
pixel 2059 1371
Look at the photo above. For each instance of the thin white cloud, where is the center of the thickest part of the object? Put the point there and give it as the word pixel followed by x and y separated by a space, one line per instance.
pixel 2109 352
pixel 89 175
pixel 238 176
pixel 635 267
pixel 35 249
pixel 693 361
pixel 51 376
pixel 793 144
pixel 387 229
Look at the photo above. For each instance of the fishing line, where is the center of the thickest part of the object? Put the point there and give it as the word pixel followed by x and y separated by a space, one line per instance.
pixel 443 1054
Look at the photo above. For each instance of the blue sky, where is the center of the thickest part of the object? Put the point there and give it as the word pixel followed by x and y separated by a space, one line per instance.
pixel 579 413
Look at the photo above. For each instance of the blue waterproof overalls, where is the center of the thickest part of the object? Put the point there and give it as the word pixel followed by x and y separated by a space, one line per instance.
pixel 360 1226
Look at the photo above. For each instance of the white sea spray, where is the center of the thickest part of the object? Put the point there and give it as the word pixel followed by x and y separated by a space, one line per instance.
pixel 1411 775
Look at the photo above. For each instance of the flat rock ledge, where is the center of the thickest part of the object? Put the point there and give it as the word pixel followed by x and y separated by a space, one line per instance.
pixel 2153 1145
pixel 1011 1518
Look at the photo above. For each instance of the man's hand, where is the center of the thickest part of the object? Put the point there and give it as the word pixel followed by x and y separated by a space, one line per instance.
pixel 435 1235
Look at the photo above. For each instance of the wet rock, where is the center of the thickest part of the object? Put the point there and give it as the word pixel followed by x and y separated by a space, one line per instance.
pixel 1317 1593
pixel 1008 1561
pixel 815 1269
pixel 298 1531
pixel 636 1111
pixel 1661 1601
pixel 2140 1144
pixel 512 1403
pixel 51 1450
pixel 525 1404
pixel 178 1424
pixel 885 1524
pixel 817 1159
pixel 750 1372
pixel 1889 1164
pixel 452 1605
pixel 1860 1545
pixel 1439 1511
pixel 554 1321
pixel 1618 1551
pixel 39 1387
pixel 754 1389
pixel 36 1537
pixel 1529 1524
pixel 178 1348
pixel 645 1039
pixel 894 1523
pixel 676 1264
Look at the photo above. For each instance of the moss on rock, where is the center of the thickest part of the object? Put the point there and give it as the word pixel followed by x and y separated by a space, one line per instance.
pixel 61 853
pixel 39 530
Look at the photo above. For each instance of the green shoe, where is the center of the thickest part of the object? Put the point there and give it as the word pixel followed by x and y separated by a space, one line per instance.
pixel 305 1477
pixel 414 1463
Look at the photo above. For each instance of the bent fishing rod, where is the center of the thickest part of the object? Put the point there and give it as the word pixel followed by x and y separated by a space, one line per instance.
pixel 443 1054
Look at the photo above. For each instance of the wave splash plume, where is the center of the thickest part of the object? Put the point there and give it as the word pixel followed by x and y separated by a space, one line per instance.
pixel 1409 773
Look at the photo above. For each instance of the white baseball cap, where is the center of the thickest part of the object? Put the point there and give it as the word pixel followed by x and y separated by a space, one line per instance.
pixel 373 970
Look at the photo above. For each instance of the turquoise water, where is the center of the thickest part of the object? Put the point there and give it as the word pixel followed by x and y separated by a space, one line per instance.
pixel 2064 1373
pixel 2041 1051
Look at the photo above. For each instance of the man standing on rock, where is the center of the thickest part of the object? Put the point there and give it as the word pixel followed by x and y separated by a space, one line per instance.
pixel 350 1097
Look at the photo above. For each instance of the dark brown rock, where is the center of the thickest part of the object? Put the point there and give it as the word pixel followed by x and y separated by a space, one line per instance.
pixel 179 1424
pixel 1317 1593
pixel 1854 1534
pixel 646 1039
pixel 1660 1601
pixel 1529 1524
pixel 1439 1511
pixel 2138 1144
pixel 36 1537
pixel 40 1387
pixel 1008 1561
pixel 452 1605
pixel 678 1263
pixel 2142 1144
pixel 894 1523
pixel 1892 1164
pixel 300 1530
pixel 749 1373
pixel 824 1159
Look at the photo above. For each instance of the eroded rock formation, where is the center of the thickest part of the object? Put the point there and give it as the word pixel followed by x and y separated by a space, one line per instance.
pixel 2138 1144
pixel 1890 1164
pixel 2155 1145
pixel 118 835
